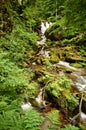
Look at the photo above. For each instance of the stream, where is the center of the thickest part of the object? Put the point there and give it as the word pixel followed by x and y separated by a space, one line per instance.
pixel 78 75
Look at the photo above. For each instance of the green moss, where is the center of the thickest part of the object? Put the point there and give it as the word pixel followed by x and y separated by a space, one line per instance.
pixel 77 65
pixel 54 58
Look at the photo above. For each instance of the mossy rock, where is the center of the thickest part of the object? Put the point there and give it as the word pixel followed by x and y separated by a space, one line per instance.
pixel 77 65
pixel 60 32
pixel 54 32
pixel 74 59
pixel 68 70
pixel 54 58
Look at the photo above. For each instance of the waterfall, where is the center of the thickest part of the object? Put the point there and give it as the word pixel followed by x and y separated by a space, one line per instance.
pixel 79 76
pixel 26 105
pixel 39 98
pixel 66 64
pixel 80 81
pixel 44 27
pixel 83 115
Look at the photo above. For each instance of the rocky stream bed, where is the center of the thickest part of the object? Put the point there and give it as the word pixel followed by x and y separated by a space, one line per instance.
pixel 50 63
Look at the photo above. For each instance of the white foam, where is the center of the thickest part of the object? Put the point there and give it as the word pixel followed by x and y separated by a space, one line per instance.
pixel 66 64
pixel 83 115
pixel 39 97
pixel 44 26
pixel 80 86
pixel 26 106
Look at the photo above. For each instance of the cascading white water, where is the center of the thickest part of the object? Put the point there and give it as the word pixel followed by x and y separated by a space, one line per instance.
pixel 26 106
pixel 44 27
pixel 39 98
pixel 66 64
pixel 83 115
pixel 79 82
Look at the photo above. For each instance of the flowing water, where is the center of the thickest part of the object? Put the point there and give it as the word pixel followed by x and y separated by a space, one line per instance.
pixel 39 98
pixel 44 27
pixel 78 76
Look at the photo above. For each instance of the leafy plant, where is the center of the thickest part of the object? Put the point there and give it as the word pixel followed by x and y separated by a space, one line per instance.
pixel 65 82
pixel 70 127
pixel 54 89
pixel 10 120
pixel 32 120
pixel 53 120
pixel 12 78
pixel 60 91
pixel 31 90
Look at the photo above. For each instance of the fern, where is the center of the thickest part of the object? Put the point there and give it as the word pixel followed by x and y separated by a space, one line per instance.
pixel 70 127
pixel 54 120
pixel 65 82
pixel 10 120
pixel 32 120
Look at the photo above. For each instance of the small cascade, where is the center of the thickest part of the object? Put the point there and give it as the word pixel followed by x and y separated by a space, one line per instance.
pixel 26 105
pixel 83 115
pixel 77 75
pixel 83 118
pixel 44 27
pixel 80 81
pixel 66 64
pixel 39 98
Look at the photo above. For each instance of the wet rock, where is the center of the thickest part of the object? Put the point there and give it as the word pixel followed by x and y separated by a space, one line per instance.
pixel 84 106
pixel 77 65
pixel 73 59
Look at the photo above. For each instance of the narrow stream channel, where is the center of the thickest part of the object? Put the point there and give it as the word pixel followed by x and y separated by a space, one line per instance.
pixel 77 75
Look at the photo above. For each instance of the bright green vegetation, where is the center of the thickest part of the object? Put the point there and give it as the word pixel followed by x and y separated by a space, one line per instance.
pixel 11 120
pixel 20 25
pixel 60 90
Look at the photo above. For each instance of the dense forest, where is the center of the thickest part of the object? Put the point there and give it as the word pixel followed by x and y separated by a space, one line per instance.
pixel 42 74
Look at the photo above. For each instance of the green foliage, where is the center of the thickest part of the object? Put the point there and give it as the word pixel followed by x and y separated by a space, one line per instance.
pixel 17 44
pixel 60 90
pixel 10 120
pixel 30 14
pixel 70 127
pixel 12 78
pixel 32 120
pixel 73 102
pixel 75 14
pixel 46 79
pixel 54 89
pixel 65 82
pixel 19 19
pixel 31 90
pixel 51 9
pixel 15 81
pixel 59 86
pixel 53 120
